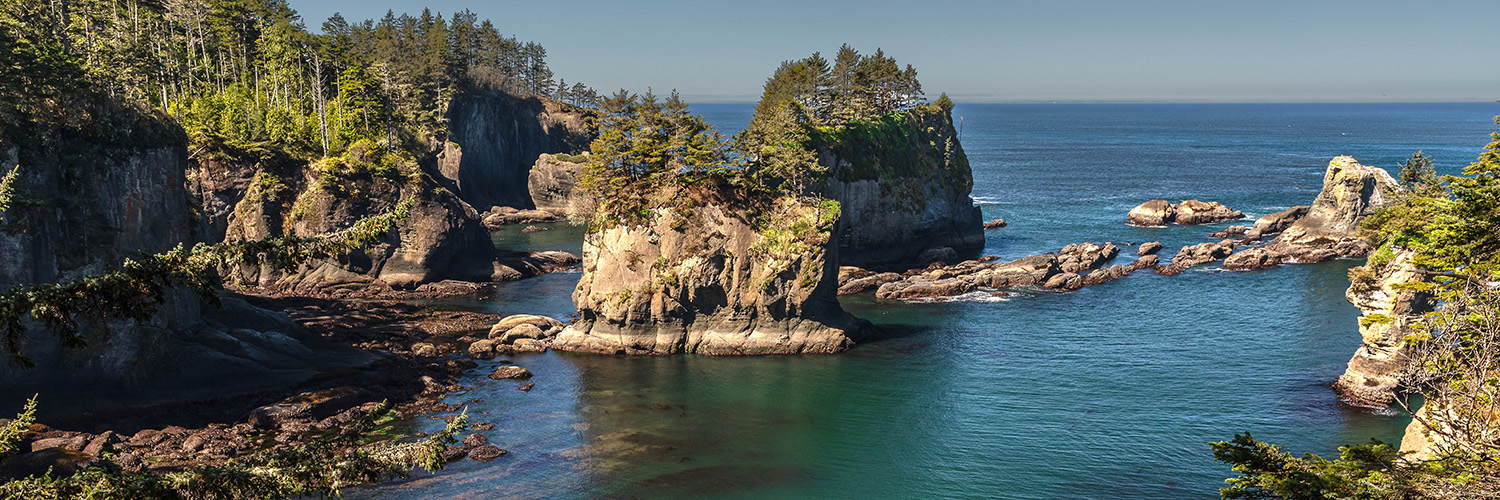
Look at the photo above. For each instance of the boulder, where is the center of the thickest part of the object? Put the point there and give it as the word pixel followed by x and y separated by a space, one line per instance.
pixel 1191 212
pixel 1254 258
pixel 313 405
pixel 1202 253
pixel 1153 213
pixel 1275 223
pixel 994 224
pixel 528 345
pixel 873 281
pixel 510 372
pixel 1149 248
pixel 1229 232
pixel 521 331
pixel 505 324
pixel 482 349
pixel 1065 281
pixel 486 453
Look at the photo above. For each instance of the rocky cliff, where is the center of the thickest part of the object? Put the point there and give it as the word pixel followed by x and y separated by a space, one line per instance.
pixel 903 182
pixel 1387 312
pixel 552 180
pixel 704 280
pixel 85 204
pixel 443 237
pixel 494 140
pixel 1330 228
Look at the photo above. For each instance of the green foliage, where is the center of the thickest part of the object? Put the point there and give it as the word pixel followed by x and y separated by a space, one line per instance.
pixel 1419 177
pixel 1452 228
pixel 137 288
pixel 8 188
pixel 13 431
pixel 645 145
pixel 1369 471
pixel 322 467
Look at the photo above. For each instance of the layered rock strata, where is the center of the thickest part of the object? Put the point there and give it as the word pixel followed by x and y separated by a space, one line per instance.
pixel 704 281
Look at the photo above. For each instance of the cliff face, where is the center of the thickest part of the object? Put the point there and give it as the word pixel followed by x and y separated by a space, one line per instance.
pixel 494 139
pixel 904 183
pixel 85 205
pixel 705 281
pixel 441 239
pixel 1386 315
pixel 1330 229
pixel 552 181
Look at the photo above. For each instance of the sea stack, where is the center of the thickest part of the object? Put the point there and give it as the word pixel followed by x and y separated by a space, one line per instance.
pixel 702 280
pixel 1330 229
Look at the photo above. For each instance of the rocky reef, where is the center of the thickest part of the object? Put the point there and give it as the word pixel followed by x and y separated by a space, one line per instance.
pixel 1071 268
pixel 903 182
pixel 1387 311
pixel 704 280
pixel 494 139
pixel 1189 212
pixel 1330 228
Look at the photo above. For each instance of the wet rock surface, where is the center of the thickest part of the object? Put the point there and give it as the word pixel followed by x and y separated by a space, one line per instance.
pixel 1189 212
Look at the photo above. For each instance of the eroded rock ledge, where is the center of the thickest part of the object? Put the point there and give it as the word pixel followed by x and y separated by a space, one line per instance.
pixel 705 281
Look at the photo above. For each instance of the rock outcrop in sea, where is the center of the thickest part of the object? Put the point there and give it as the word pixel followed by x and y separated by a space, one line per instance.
pixel 1330 228
pixel 1071 268
pixel 1387 312
pixel 903 183
pixel 1189 212
pixel 703 280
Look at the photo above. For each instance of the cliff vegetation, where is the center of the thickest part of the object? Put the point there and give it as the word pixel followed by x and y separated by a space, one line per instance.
pixel 1449 229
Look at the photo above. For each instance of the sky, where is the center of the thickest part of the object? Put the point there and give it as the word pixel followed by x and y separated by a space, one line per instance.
pixel 1004 51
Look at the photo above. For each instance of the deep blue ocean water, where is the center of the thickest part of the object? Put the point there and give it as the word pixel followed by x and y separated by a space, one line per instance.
pixel 1112 391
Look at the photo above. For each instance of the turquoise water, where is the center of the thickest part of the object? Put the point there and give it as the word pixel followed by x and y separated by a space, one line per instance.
pixel 1108 392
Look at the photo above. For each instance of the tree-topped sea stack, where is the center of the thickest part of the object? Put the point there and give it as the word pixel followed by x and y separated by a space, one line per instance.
pixel 894 163
pixel 692 251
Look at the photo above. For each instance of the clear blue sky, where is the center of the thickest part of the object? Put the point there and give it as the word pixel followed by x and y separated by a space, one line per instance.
pixel 1060 50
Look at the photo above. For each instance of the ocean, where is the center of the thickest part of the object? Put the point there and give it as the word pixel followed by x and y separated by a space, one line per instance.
pixel 1109 392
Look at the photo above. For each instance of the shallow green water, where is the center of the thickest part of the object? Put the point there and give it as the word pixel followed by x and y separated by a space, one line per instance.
pixel 1108 392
